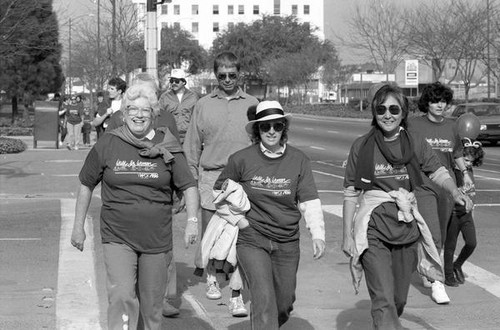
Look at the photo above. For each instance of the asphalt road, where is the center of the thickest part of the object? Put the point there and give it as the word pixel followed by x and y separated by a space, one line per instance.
pixel 45 284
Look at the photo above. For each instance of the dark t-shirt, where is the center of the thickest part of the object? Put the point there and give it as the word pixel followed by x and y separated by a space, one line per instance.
pixel 74 113
pixel 274 188
pixel 384 223
pixel 136 193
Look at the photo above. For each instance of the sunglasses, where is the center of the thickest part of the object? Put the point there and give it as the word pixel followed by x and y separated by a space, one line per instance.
pixel 393 109
pixel 176 81
pixel 266 127
pixel 224 76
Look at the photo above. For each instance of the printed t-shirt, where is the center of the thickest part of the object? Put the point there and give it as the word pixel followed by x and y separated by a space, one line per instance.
pixel 74 113
pixel 274 187
pixel 384 223
pixel 136 193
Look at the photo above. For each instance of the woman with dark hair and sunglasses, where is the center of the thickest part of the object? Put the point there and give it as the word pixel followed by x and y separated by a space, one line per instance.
pixel 278 181
pixel 442 136
pixel 382 236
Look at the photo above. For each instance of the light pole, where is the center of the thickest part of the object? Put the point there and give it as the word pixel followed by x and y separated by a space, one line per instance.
pixel 69 73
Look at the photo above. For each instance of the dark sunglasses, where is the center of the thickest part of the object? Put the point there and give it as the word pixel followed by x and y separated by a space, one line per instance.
pixel 393 109
pixel 175 80
pixel 266 127
pixel 224 76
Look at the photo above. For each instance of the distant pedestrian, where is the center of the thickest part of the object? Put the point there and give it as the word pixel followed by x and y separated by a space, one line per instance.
pixel 87 126
pixel 74 122
pixel 462 221
pixel 216 131
pixel 116 88
pixel 101 108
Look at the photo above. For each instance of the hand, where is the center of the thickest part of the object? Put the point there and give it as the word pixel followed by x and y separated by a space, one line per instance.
pixel 464 200
pixel 78 237
pixel 348 246
pixel 318 248
pixel 190 233
pixel 109 111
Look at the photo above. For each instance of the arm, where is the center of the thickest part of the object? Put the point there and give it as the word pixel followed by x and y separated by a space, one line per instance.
pixel 313 215
pixel 442 178
pixel 82 205
pixel 468 182
pixel 192 206
pixel 98 120
pixel 348 211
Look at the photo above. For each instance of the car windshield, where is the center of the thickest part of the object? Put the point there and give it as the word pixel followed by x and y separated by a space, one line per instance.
pixel 480 110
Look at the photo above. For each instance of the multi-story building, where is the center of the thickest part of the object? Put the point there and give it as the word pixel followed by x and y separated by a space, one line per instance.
pixel 204 19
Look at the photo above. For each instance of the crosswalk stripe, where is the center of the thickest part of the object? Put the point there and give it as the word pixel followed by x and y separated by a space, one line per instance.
pixel 77 303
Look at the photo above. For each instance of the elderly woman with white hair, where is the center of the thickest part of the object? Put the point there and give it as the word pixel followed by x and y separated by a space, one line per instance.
pixel 278 180
pixel 138 167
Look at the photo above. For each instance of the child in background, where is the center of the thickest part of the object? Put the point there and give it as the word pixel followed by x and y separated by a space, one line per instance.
pixel 87 127
pixel 462 221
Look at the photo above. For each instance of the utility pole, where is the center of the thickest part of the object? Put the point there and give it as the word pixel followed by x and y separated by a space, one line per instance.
pixel 113 38
pixel 69 56
pixel 99 43
pixel 151 38
pixel 488 44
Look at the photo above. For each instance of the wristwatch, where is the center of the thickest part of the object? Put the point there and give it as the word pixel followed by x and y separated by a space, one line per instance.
pixel 193 219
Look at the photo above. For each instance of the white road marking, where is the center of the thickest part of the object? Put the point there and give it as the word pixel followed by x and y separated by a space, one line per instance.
pixel 317 148
pixel 308 128
pixel 20 239
pixel 198 308
pixel 77 302
pixel 475 275
pixel 334 132
pixel 329 174
pixel 63 161
pixel 64 175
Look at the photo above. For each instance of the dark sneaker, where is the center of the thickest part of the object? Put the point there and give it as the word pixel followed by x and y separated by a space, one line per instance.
pixel 459 274
pixel 169 310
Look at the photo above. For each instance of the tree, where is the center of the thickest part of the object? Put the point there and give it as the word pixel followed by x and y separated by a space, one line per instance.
pixel 379 28
pixel 180 50
pixel 30 65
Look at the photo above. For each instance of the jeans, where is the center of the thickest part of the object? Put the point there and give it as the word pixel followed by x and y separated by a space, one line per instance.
pixel 388 269
pixel 460 222
pixel 74 134
pixel 136 284
pixel 270 269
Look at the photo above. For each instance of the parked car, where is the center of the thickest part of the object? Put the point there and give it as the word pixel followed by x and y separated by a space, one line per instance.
pixel 489 118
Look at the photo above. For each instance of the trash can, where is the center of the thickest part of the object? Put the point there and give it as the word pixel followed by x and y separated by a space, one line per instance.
pixel 46 126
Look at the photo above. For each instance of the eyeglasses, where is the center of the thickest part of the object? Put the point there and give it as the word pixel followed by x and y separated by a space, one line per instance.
pixel 266 127
pixel 393 109
pixel 224 76
pixel 145 112
pixel 176 81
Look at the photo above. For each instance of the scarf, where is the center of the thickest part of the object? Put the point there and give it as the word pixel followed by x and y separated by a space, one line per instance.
pixel 169 145
pixel 365 165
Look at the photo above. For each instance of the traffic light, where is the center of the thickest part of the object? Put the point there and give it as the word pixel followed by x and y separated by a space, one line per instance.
pixel 151 4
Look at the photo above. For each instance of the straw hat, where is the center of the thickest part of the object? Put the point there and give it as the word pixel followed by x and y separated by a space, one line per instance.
pixel 267 110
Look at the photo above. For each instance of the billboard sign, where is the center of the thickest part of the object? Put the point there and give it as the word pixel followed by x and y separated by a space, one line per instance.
pixel 411 72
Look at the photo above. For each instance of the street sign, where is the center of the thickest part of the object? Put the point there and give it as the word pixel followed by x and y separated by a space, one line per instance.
pixel 411 72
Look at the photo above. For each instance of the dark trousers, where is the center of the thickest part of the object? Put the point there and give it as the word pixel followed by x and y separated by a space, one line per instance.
pixel 388 269
pixel 460 222
pixel 270 269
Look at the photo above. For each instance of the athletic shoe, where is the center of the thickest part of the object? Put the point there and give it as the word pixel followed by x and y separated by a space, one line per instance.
pixel 169 310
pixel 439 293
pixel 213 291
pixel 451 281
pixel 426 282
pixel 237 307
pixel 459 274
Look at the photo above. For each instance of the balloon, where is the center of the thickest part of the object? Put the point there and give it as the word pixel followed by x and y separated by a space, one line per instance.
pixel 468 126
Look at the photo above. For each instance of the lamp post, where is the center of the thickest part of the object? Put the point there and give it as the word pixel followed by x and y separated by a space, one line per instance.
pixel 69 73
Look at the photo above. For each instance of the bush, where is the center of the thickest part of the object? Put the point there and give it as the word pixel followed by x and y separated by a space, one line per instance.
pixel 11 146
pixel 329 110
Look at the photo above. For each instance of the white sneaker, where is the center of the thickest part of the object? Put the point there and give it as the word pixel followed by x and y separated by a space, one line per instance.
pixel 439 293
pixel 426 282
pixel 237 307
pixel 213 291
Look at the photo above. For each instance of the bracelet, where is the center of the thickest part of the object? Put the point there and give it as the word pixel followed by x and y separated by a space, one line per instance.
pixel 193 219
pixel 465 171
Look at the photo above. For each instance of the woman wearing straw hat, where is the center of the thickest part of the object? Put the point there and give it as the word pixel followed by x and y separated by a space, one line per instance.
pixel 278 181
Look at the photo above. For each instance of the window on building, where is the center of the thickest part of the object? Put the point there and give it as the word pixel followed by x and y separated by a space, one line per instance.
pixel 241 10
pixel 194 9
pixel 277 7
pixel 230 25
pixel 194 27
pixel 215 9
pixel 306 9
pixel 295 9
pixel 177 25
pixel 164 9
pixel 256 10
pixel 177 9
pixel 215 27
pixel 230 10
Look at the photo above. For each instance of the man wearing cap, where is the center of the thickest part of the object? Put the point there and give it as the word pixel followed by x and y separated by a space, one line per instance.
pixel 179 101
pixel 217 130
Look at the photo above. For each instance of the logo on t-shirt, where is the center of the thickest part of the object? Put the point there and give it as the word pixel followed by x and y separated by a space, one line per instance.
pixel 443 145
pixel 385 171
pixel 144 170
pixel 276 186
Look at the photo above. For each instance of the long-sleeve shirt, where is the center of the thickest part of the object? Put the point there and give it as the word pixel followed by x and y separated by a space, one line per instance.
pixel 181 110
pixel 217 130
